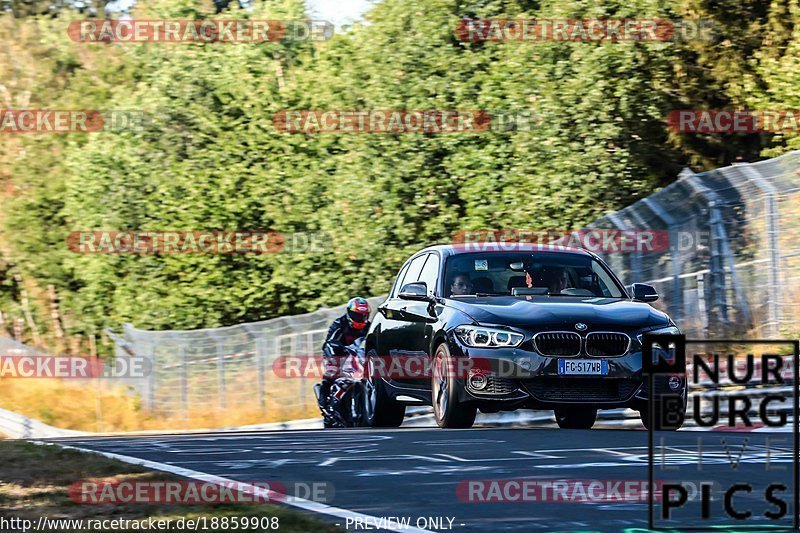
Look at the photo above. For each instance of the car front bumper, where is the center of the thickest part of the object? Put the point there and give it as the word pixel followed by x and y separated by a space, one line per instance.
pixel 523 378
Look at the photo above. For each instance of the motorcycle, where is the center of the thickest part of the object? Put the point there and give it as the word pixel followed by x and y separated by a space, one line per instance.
pixel 349 399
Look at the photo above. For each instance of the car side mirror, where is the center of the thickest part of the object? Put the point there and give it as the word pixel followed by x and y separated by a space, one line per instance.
pixel 415 291
pixel 644 293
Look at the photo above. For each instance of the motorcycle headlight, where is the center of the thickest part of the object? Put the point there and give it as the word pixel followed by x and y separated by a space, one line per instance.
pixel 671 330
pixel 483 337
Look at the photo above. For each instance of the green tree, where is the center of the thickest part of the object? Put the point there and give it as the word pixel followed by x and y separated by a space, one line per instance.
pixel 212 159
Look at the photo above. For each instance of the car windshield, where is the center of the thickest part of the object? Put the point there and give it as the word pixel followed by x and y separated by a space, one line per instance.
pixel 528 274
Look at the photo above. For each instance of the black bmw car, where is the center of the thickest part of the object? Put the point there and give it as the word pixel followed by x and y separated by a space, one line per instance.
pixel 547 328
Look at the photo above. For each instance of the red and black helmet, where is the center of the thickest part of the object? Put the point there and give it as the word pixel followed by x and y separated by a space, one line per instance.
pixel 358 312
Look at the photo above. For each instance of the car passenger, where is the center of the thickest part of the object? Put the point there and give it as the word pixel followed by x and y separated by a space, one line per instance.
pixel 560 280
pixel 555 279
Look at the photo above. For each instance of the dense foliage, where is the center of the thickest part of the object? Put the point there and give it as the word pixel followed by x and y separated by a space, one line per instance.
pixel 213 159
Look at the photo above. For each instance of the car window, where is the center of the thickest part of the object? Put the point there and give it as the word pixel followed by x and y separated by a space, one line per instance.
pixel 604 285
pixel 398 282
pixel 414 270
pixel 551 273
pixel 430 273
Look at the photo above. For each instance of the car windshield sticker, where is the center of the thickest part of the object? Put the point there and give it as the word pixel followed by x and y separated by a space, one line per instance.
pixel 481 264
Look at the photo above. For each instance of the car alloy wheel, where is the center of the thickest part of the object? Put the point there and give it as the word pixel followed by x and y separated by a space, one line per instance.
pixel 448 411
pixel 440 383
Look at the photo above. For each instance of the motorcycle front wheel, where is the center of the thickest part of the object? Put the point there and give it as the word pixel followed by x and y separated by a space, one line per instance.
pixel 356 407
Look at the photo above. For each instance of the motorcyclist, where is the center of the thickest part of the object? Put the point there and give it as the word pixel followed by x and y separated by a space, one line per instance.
pixel 343 332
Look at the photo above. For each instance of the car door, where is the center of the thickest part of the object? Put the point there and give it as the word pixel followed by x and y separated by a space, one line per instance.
pixel 419 314
pixel 394 322
pixel 419 318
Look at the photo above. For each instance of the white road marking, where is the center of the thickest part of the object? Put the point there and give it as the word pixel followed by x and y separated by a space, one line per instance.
pixel 612 452
pixel 300 503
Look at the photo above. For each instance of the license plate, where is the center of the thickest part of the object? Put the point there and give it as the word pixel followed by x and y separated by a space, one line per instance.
pixel 585 367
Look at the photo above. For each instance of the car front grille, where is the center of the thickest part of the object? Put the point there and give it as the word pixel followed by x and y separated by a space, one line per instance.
pixel 552 389
pixel 558 343
pixel 607 344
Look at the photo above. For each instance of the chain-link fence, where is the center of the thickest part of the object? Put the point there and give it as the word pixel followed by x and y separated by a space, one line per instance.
pixel 223 368
pixel 733 262
pixel 732 267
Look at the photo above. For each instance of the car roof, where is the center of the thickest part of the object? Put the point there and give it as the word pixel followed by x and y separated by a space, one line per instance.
pixel 458 249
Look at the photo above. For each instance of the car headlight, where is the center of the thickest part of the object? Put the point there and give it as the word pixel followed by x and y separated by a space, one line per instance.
pixel 671 330
pixel 483 337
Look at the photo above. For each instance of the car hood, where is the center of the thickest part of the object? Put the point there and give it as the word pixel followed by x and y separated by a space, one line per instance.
pixel 555 312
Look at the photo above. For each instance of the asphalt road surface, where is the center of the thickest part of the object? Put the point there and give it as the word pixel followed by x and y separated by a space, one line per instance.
pixel 425 473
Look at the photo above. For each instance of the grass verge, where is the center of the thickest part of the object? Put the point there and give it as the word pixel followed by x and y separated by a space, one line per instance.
pixel 34 481
pixel 82 406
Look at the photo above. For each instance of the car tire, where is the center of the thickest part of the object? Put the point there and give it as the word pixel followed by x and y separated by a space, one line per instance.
pixel 573 417
pixel 677 412
pixel 356 407
pixel 448 411
pixel 367 404
pixel 385 412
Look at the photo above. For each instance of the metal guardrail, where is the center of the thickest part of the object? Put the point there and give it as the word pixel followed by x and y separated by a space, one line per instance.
pixel 733 263
pixel 17 426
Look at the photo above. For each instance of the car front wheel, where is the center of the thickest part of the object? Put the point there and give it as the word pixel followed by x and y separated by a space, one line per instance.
pixel 670 413
pixel 445 388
